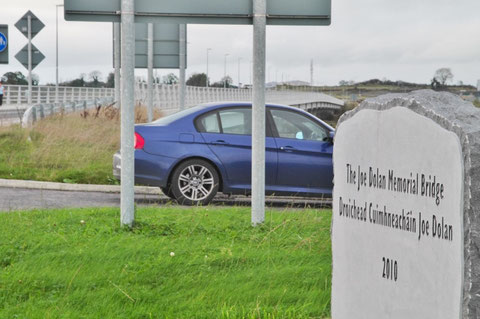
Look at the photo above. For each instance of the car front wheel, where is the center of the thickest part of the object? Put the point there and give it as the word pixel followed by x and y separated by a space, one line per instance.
pixel 194 182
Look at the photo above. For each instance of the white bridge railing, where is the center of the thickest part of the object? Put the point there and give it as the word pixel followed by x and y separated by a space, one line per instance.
pixel 166 97
pixel 18 94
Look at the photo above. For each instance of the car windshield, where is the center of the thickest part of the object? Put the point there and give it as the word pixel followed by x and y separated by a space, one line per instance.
pixel 175 116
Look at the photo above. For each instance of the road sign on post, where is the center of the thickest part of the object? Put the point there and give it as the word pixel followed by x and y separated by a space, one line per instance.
pixel 29 25
pixel 22 56
pixel 3 44
pixel 259 12
pixel 22 24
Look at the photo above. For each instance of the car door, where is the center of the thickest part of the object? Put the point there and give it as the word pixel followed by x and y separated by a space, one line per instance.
pixel 304 152
pixel 228 134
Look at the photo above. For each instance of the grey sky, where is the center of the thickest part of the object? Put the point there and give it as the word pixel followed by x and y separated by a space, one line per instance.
pixel 398 40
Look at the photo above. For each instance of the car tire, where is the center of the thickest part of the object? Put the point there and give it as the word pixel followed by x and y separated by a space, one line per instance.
pixel 194 182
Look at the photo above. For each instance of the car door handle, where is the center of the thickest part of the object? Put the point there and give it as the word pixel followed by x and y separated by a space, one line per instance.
pixel 287 148
pixel 219 142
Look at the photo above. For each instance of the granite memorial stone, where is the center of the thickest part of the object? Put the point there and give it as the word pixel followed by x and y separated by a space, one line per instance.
pixel 406 209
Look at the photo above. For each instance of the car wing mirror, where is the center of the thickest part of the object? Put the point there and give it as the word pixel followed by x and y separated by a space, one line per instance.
pixel 330 137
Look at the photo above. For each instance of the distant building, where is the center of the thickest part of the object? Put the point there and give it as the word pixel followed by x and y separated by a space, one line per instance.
pixel 478 85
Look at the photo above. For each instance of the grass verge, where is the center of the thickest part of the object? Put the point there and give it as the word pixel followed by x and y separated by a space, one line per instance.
pixel 71 148
pixel 52 265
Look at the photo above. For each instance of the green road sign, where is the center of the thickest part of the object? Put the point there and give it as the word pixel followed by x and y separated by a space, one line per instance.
pixel 22 56
pixel 22 24
pixel 3 44
pixel 279 12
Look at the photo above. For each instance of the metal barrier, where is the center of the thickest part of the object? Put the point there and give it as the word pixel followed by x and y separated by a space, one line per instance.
pixel 40 111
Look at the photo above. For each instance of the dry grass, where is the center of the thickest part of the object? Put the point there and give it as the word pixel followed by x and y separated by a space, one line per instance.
pixel 68 148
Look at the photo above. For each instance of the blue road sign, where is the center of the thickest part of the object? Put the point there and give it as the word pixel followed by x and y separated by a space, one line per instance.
pixel 3 42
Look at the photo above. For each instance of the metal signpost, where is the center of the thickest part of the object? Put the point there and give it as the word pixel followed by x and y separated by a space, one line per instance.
pixel 29 25
pixel 258 12
pixel 3 44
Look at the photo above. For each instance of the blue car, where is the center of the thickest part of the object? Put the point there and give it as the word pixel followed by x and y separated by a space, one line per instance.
pixel 193 154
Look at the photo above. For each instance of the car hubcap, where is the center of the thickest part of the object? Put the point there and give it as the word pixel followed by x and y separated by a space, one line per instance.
pixel 195 182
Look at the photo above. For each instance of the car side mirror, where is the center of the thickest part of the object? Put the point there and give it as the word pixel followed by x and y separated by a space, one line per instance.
pixel 330 138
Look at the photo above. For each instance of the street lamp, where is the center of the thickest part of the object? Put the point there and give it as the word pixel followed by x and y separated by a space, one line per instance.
pixel 239 59
pixel 56 57
pixel 208 50
pixel 225 71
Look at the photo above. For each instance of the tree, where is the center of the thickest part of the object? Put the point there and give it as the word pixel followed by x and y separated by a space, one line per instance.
pixel 170 79
pixel 95 78
pixel 197 79
pixel 110 80
pixel 443 75
pixel 15 78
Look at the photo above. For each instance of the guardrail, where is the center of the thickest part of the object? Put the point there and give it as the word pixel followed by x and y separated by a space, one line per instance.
pixel 40 111
pixel 18 94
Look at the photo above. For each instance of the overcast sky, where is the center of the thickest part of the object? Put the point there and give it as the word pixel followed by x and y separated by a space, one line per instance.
pixel 398 40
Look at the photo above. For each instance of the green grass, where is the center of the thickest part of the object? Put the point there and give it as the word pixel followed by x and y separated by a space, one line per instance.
pixel 66 149
pixel 54 266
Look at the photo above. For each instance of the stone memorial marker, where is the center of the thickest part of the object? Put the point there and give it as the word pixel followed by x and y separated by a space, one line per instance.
pixel 406 209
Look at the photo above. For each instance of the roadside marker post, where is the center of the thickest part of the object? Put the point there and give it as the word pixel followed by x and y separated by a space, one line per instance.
pixel 258 12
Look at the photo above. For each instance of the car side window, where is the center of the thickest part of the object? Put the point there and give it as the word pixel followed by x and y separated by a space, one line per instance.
pixel 293 125
pixel 236 121
pixel 208 123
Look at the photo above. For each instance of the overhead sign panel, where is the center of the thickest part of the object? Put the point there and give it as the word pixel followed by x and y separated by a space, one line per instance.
pixel 3 44
pixel 22 24
pixel 22 56
pixel 279 12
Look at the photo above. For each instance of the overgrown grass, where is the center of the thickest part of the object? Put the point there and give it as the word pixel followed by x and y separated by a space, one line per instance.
pixel 74 148
pixel 52 265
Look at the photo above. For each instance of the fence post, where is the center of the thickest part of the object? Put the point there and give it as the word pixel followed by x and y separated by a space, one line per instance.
pixel 19 97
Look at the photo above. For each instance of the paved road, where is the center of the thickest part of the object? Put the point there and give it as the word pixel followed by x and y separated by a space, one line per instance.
pixel 12 199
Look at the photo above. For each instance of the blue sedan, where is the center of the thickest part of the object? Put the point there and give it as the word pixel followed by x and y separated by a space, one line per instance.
pixel 193 154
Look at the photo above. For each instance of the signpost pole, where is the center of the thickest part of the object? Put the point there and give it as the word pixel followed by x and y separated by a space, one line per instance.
pixel 258 112
pixel 183 49
pixel 116 57
pixel 150 72
pixel 127 113
pixel 29 26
